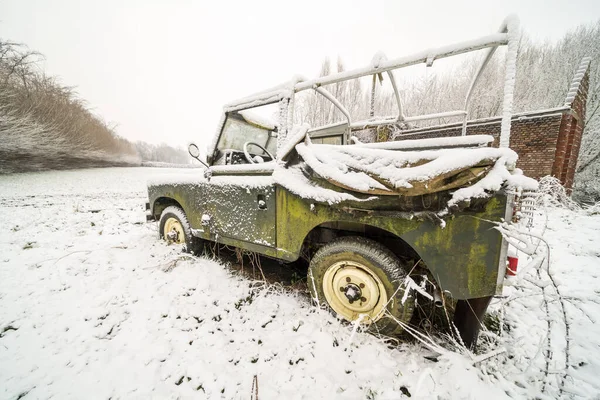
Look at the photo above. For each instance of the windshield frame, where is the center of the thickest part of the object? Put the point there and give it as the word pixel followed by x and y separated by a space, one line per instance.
pixel 247 132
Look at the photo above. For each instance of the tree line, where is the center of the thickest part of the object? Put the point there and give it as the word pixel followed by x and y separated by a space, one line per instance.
pixel 46 125
pixel 545 71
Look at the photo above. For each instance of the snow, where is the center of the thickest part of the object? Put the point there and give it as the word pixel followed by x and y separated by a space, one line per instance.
pixel 355 167
pixel 266 96
pixel 196 177
pixel 511 26
pixel 482 121
pixel 93 305
pixel 574 88
pixel 539 339
pixel 260 99
pixel 378 58
pixel 444 114
pixel 255 118
pixel 160 164
pixel 508 35
pixel 294 137
pixel 416 144
pixel 424 56
pixel 498 177
pixel 373 121
pixel 323 160
pixel 258 168
pixel 401 118
pixel 212 145
pixel 294 180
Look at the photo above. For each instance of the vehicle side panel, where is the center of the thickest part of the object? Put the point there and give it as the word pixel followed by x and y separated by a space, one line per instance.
pixel 188 195
pixel 234 210
pixel 463 256
pixel 241 212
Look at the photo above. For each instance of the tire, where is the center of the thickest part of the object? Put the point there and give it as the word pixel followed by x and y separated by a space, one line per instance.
pixel 174 221
pixel 355 276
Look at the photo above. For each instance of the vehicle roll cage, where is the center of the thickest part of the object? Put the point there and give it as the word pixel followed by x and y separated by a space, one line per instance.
pixel 507 35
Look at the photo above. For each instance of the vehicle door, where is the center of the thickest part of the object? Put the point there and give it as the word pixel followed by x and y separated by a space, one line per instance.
pixel 239 197
pixel 241 207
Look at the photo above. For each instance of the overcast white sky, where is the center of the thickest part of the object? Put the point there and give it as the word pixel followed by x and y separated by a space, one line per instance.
pixel 162 70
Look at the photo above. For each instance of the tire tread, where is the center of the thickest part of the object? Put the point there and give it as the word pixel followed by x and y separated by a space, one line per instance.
pixel 378 254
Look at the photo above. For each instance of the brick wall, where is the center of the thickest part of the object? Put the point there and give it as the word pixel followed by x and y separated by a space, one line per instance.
pixel 547 141
pixel 533 136
pixel 567 150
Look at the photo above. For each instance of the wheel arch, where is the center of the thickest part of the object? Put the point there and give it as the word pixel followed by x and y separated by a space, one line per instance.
pixel 163 202
pixel 327 231
pixel 447 256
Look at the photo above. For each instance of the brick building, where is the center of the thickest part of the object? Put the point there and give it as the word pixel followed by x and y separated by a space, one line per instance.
pixel 547 141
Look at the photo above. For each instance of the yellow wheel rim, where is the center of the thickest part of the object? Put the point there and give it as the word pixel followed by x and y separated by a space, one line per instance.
pixel 354 291
pixel 173 231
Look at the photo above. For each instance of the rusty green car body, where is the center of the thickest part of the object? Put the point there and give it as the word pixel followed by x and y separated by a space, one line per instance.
pixel 239 201
pixel 465 255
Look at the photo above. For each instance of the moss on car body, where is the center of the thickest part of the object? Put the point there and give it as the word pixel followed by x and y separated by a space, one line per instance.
pixel 462 252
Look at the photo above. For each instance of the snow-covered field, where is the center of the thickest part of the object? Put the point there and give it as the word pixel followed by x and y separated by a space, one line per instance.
pixel 92 306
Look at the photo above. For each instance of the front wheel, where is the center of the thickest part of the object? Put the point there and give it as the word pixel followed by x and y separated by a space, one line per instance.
pixel 360 279
pixel 175 228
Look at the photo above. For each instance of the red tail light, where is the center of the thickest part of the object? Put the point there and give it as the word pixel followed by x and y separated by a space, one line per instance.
pixel 513 263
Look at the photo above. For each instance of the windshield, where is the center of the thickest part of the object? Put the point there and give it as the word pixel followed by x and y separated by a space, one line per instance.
pixel 238 131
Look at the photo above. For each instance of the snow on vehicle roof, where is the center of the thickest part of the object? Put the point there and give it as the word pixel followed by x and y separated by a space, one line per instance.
pixel 365 171
pixel 297 134
pixel 257 119
pixel 270 95
pixel 508 33
pixel 293 179
pixel 370 170
pixel 357 166
pixel 415 144
pixel 325 162
pixel 257 100
pixel 428 55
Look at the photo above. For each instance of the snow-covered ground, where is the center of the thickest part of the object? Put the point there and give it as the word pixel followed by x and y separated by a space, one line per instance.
pixel 92 305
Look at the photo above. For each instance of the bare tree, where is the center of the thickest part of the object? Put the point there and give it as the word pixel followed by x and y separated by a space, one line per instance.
pixel 545 71
pixel 44 124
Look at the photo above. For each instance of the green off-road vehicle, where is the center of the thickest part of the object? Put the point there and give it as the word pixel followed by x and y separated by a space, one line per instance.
pixel 378 222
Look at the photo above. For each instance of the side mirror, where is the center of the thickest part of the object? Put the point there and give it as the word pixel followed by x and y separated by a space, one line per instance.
pixel 195 153
pixel 194 150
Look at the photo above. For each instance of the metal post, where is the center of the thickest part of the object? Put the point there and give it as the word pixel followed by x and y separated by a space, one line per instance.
pixel 512 26
pixel 372 111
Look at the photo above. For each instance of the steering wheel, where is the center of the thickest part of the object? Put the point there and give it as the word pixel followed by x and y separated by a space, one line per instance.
pixel 249 157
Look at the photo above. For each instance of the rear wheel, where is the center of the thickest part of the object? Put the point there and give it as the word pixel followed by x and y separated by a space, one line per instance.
pixel 175 228
pixel 360 279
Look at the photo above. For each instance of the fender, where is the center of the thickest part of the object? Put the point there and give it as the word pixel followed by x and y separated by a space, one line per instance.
pixel 462 251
